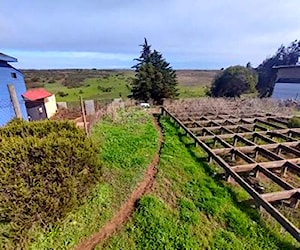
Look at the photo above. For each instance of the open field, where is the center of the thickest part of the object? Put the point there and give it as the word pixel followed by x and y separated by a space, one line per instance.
pixel 108 84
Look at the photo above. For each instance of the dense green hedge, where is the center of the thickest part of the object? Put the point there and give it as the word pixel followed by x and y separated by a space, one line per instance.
pixel 46 168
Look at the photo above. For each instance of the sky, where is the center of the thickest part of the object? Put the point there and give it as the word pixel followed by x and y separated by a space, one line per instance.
pixel 191 34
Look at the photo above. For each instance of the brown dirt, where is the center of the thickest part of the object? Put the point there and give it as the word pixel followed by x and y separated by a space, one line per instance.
pixel 123 215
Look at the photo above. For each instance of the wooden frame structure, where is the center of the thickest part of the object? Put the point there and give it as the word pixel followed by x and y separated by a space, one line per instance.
pixel 262 143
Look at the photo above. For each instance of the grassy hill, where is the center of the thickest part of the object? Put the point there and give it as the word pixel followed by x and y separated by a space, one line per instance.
pixel 108 84
pixel 190 208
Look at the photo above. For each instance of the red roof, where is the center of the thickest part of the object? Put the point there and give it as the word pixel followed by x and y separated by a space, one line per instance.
pixel 36 94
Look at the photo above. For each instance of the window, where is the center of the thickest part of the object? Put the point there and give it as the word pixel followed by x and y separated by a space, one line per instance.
pixel 13 75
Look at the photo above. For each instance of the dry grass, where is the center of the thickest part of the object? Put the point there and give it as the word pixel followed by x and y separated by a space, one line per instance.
pixel 195 78
pixel 219 106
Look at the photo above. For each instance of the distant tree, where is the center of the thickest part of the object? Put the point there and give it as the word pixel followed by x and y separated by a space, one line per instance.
pixel 249 65
pixel 234 81
pixel 267 74
pixel 154 79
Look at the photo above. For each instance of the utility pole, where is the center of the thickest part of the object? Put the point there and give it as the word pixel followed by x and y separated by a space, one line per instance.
pixel 14 100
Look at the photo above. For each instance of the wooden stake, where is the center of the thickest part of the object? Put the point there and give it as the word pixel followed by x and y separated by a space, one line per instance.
pixel 83 115
pixel 14 100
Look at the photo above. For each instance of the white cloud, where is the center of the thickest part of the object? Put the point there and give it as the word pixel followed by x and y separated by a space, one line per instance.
pixel 213 33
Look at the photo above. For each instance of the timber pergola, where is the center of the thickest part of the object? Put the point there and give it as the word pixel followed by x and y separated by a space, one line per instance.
pixel 256 144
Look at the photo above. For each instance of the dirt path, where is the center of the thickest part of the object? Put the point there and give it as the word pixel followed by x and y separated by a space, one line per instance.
pixel 123 215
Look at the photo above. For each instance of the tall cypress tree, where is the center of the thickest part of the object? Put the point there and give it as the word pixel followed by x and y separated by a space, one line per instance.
pixel 154 79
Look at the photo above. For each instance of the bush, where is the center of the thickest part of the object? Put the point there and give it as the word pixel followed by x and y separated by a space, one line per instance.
pixel 103 89
pixel 62 94
pixel 233 82
pixel 46 168
pixel 294 122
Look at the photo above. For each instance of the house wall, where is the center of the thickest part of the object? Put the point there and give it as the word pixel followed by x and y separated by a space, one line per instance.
pixel 288 73
pixel 6 109
pixel 36 110
pixel 50 105
pixel 284 91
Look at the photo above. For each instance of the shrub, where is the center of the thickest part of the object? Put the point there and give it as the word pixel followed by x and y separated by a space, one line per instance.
pixel 34 79
pixel 62 94
pixel 104 89
pixel 294 122
pixel 46 168
pixel 233 82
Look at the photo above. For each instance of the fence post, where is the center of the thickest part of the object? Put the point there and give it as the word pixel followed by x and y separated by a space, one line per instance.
pixel 83 115
pixel 14 100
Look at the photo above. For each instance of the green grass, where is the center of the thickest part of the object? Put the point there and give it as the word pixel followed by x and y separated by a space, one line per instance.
pixel 127 146
pixel 191 91
pixel 192 83
pixel 191 208
pixel 90 90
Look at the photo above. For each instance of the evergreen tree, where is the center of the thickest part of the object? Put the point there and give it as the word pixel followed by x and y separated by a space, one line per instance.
pixel 154 79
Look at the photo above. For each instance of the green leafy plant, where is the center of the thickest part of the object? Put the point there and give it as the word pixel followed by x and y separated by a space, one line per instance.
pixel 46 168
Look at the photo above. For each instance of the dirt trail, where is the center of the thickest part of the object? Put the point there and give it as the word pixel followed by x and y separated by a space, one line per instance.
pixel 123 215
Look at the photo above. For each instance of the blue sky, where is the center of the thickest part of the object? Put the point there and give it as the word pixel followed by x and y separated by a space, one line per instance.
pixel 105 34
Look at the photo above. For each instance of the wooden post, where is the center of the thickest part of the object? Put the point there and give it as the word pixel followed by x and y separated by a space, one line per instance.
pixel 256 155
pixel 234 141
pixel 83 115
pixel 233 156
pixel 278 150
pixel 284 169
pixel 14 100
pixel 294 202
pixel 162 110
pixel 256 173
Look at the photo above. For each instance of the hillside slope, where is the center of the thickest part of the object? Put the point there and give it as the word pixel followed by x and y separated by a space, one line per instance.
pixel 191 209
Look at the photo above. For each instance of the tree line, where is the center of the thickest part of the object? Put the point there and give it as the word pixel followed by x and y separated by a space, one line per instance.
pixel 260 81
pixel 156 80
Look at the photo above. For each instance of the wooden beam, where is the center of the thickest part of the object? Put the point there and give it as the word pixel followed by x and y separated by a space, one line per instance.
pixel 281 195
pixel 222 142
pixel 284 222
pixel 269 154
pixel 244 157
pixel 246 141
pixel 285 123
pixel 260 127
pixel 245 128
pixel 290 150
pixel 275 178
pixel 293 166
pixel 264 138
pixel 249 149
pixel 282 136
pixel 227 136
pixel 269 165
pixel 263 121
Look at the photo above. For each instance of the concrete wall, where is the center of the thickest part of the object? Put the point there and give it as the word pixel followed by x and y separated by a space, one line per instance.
pixel 6 109
pixel 50 106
